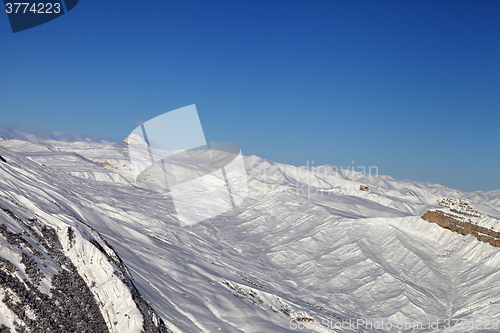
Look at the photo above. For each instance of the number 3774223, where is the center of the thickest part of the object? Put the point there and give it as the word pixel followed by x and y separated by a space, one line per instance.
pixel 35 8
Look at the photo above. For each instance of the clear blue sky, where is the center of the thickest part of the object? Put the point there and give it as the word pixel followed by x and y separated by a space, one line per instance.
pixel 412 87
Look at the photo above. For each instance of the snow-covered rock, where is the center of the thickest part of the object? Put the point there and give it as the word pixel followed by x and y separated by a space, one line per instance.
pixel 134 139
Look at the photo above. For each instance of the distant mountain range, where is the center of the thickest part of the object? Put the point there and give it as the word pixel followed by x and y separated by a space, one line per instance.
pixel 34 133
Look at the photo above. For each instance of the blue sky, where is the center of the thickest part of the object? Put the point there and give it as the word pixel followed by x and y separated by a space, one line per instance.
pixel 412 87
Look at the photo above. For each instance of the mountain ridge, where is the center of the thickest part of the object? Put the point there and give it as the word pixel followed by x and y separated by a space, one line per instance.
pixel 335 253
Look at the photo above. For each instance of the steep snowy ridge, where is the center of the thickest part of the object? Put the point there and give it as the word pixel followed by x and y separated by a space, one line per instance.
pixel 58 246
pixel 308 246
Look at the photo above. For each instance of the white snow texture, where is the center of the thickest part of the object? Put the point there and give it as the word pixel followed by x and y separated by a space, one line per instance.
pixel 305 251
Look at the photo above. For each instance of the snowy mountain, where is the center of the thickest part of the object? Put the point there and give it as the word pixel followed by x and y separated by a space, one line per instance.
pixel 33 133
pixel 84 248
pixel 135 139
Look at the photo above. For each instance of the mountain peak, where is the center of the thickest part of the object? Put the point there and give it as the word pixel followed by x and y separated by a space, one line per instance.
pixel 135 139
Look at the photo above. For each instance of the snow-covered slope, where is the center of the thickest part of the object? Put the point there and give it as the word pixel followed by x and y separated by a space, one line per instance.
pixel 311 248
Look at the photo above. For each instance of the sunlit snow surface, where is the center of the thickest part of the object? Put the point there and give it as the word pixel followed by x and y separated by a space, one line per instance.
pixel 305 243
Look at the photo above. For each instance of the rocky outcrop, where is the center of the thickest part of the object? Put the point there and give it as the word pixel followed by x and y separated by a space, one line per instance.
pixel 462 226
pixel 459 207
pixel 71 305
pixel 104 164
